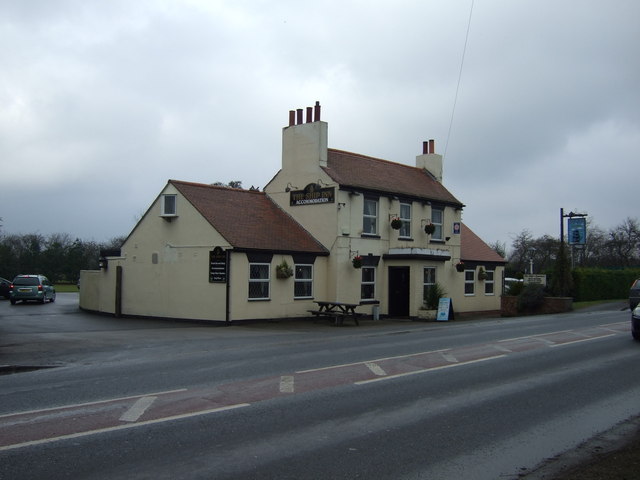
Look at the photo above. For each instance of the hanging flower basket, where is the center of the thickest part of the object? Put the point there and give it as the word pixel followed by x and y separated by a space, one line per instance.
pixel 482 274
pixel 460 266
pixel 429 228
pixel 284 270
pixel 357 261
pixel 396 223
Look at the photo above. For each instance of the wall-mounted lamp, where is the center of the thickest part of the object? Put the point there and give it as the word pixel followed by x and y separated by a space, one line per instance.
pixel 103 264
pixel 290 187
pixel 340 205
pixel 446 239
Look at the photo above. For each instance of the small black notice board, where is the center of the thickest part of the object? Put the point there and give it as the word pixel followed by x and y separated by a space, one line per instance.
pixel 217 266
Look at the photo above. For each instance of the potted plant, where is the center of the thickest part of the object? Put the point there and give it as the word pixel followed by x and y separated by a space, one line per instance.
pixel 357 261
pixel 396 223
pixel 429 228
pixel 460 266
pixel 430 307
pixel 283 270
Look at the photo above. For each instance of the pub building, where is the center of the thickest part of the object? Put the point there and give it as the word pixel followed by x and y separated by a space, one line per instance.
pixel 330 226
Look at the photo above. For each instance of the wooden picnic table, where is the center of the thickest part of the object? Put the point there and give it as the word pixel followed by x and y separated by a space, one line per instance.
pixel 337 310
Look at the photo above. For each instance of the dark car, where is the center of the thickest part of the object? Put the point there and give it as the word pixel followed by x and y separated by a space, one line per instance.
pixel 4 287
pixel 634 294
pixel 31 287
pixel 635 323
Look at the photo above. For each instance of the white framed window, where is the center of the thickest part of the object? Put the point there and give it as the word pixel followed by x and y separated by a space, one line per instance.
pixel 437 218
pixel 429 280
pixel 168 205
pixel 368 285
pixel 370 217
pixel 469 282
pixel 303 284
pixel 259 281
pixel 489 283
pixel 405 216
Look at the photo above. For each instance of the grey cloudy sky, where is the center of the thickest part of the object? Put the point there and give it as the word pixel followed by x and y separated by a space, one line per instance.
pixel 101 102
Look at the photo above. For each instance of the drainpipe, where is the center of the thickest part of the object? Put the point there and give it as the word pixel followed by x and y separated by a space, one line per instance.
pixel 227 317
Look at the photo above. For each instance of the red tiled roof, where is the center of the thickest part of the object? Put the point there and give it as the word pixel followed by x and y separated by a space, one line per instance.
pixel 359 171
pixel 473 249
pixel 249 219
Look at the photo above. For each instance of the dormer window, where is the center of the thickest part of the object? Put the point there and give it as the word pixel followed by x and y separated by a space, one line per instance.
pixel 168 206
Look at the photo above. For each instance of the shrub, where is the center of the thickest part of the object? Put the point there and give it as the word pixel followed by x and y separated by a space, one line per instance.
pixel 434 294
pixel 531 297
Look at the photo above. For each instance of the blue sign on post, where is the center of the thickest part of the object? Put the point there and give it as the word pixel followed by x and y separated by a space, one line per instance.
pixel 577 231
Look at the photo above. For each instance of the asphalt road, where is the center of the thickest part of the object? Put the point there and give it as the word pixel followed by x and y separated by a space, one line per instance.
pixel 491 398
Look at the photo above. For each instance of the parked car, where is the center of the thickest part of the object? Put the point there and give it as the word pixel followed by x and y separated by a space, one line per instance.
pixel 4 287
pixel 31 287
pixel 634 294
pixel 635 323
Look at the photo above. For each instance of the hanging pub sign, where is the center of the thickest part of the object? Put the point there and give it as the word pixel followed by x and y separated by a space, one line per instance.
pixel 577 231
pixel 217 266
pixel 312 194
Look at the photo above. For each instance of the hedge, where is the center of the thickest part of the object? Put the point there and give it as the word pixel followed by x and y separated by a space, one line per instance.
pixel 601 284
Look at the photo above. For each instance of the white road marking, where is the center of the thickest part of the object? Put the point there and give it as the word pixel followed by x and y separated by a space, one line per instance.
pixel 581 340
pixel 137 409
pixel 121 427
pixel 376 369
pixel 286 384
pixel 415 372
pixel 375 360
pixel 87 404
pixel 449 357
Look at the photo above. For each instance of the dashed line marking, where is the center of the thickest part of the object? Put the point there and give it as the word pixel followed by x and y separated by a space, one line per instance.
pixel 426 370
pixel 376 369
pixel 137 409
pixel 581 340
pixel 286 384
pixel 122 427
pixel 449 357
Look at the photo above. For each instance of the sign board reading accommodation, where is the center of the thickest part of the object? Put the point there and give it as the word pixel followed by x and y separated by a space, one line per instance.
pixel 312 194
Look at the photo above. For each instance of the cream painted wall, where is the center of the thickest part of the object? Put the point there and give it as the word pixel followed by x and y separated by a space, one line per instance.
pixel 281 303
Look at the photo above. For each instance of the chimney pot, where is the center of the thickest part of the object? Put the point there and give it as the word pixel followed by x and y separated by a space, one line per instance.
pixel 425 147
pixel 292 118
pixel 316 112
pixel 432 146
pixel 309 114
pixel 299 119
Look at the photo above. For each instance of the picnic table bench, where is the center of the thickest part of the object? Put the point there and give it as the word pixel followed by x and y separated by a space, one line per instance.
pixel 337 310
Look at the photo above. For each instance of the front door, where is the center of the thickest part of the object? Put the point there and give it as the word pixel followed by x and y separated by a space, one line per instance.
pixel 398 291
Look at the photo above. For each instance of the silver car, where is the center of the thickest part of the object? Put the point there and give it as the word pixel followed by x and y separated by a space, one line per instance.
pixel 31 287
pixel 634 294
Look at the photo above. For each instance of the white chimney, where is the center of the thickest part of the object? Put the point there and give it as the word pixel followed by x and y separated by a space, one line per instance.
pixel 430 160
pixel 304 145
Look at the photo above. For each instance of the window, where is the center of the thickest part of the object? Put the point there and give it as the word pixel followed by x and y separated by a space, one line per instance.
pixel 168 206
pixel 259 281
pixel 428 281
pixel 405 216
pixel 303 285
pixel 368 286
pixel 469 282
pixel 488 282
pixel 437 218
pixel 370 217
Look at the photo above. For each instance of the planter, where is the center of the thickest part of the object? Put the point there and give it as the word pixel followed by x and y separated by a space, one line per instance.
pixel 427 314
pixel 357 262
pixel 284 270
pixel 396 224
pixel 429 228
pixel 460 267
